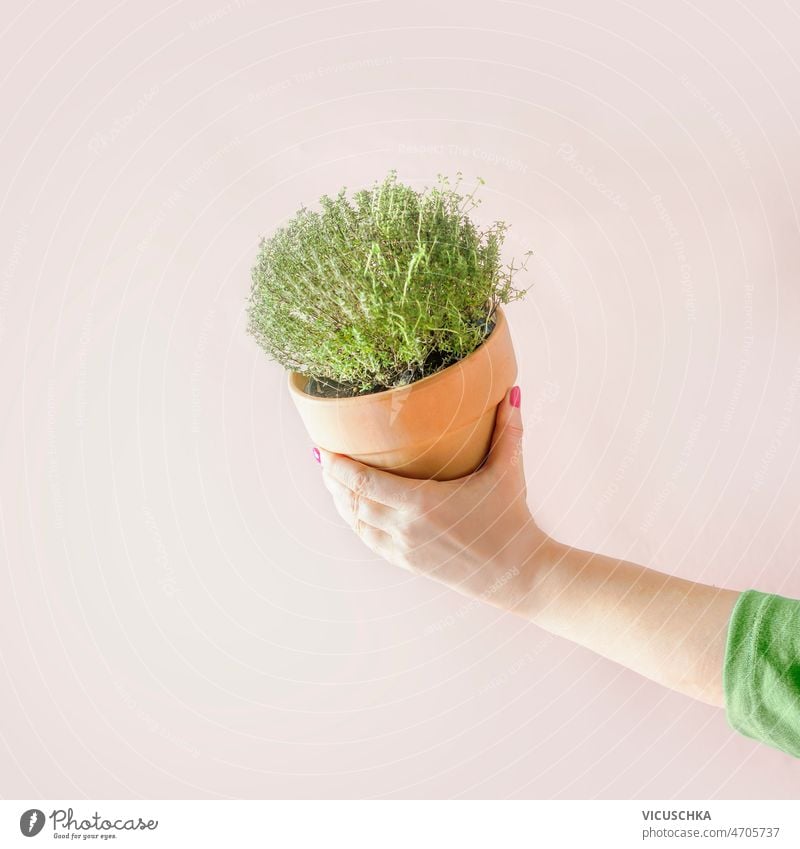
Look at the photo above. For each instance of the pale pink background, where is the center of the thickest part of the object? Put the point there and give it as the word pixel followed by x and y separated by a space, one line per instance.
pixel 182 614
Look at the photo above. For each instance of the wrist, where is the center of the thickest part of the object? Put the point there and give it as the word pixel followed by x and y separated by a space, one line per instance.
pixel 535 572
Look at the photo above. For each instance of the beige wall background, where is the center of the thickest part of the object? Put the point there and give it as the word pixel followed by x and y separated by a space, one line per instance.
pixel 181 612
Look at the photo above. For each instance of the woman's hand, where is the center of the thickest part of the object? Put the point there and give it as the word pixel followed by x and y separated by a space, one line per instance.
pixel 475 534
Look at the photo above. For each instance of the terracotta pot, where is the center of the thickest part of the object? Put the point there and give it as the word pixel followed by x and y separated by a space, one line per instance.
pixel 439 427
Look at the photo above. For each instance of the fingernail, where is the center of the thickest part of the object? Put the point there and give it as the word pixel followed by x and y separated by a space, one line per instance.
pixel 317 457
pixel 515 397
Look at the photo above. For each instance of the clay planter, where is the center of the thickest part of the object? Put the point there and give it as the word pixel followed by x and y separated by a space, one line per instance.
pixel 439 427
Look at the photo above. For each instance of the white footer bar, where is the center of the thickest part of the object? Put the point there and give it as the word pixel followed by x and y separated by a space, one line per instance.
pixel 400 824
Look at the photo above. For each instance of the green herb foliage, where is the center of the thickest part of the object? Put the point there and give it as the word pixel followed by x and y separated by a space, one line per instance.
pixel 380 289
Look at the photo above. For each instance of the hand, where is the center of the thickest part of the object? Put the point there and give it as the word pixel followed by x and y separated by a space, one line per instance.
pixel 475 534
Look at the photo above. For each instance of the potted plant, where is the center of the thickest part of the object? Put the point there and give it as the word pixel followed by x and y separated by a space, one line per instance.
pixel 386 310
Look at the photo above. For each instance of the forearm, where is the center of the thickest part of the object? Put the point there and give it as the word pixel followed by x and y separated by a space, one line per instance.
pixel 477 535
pixel 666 628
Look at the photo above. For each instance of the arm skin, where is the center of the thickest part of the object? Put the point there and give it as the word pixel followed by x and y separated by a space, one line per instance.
pixel 477 536
pixel 666 628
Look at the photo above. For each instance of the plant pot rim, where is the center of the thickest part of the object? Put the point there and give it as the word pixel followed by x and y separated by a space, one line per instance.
pixel 297 380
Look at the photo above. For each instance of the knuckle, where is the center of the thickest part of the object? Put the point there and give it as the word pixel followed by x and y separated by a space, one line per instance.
pixel 404 534
pixel 354 502
pixel 369 513
pixel 359 481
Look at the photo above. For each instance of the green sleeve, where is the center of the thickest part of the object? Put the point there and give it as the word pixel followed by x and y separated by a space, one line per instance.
pixel 761 672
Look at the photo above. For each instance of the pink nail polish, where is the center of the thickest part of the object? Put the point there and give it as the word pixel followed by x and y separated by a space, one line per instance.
pixel 515 396
pixel 317 457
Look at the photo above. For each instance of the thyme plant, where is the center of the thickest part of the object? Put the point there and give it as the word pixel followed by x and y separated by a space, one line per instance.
pixel 379 290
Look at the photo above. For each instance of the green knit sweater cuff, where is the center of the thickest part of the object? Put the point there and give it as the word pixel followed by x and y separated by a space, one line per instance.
pixel 761 671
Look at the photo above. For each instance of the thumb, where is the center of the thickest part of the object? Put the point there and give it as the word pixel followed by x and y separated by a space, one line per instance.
pixel 506 451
